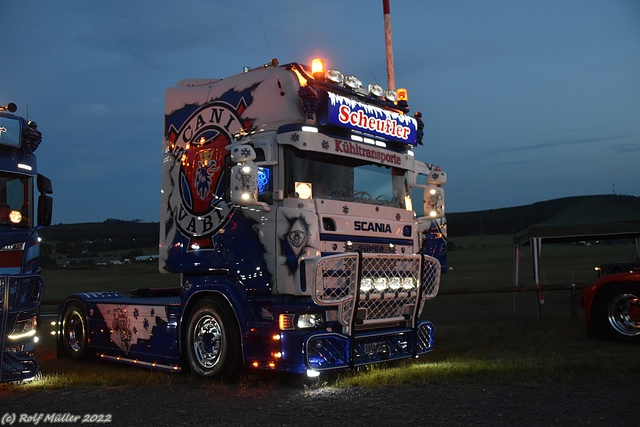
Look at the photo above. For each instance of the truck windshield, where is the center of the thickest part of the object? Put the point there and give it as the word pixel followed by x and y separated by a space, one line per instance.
pixel 345 178
pixel 15 200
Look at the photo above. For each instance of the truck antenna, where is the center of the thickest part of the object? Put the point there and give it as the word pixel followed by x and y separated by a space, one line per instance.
pixel 391 80
pixel 263 32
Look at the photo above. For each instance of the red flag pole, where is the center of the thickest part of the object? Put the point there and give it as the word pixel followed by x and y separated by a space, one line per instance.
pixel 391 79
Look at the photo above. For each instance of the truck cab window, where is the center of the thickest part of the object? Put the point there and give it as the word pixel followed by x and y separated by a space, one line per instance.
pixel 15 195
pixel 343 178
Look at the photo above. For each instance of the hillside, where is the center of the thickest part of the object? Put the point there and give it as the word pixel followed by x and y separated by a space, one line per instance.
pixel 568 210
pixel 118 235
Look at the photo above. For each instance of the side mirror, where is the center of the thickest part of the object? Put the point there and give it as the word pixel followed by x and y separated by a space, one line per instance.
pixel 45 202
pixel 44 184
pixel 428 201
pixel 45 210
pixel 434 201
pixel 243 183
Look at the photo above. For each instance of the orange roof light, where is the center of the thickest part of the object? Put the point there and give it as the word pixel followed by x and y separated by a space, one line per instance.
pixel 402 94
pixel 317 69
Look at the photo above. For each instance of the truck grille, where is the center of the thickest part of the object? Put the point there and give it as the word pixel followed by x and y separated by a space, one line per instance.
pixel 376 289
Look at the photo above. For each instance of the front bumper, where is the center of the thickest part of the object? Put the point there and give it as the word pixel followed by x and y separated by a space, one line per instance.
pixel 328 351
pixel 19 297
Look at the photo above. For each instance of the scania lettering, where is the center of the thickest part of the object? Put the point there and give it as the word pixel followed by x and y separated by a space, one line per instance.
pixel 294 235
pixel 21 283
pixel 372 226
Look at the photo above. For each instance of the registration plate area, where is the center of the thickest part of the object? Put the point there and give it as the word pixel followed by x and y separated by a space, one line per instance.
pixel 337 351
pixel 380 348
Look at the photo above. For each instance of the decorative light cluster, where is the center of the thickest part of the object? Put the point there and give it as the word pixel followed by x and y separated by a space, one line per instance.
pixel 382 284
pixel 353 83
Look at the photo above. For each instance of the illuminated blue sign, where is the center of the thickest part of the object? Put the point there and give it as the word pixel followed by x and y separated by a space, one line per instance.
pixel 264 180
pixel 373 120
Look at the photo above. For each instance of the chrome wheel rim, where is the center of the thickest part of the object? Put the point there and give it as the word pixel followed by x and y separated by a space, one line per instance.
pixel 75 331
pixel 207 341
pixel 624 314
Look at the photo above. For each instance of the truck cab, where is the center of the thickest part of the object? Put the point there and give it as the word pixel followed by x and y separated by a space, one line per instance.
pixel 21 213
pixel 287 212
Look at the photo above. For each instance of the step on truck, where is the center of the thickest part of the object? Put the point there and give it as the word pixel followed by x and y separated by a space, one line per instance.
pixel 287 212
pixel 21 284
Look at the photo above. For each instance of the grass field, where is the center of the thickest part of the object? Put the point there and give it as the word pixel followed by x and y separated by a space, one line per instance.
pixel 487 336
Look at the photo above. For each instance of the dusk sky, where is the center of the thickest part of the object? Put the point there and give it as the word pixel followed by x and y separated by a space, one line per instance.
pixel 523 101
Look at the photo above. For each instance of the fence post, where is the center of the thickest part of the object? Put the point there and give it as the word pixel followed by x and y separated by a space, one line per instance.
pixel 574 297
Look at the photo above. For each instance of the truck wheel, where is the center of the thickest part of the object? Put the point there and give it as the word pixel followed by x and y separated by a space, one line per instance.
pixel 212 341
pixel 75 333
pixel 617 312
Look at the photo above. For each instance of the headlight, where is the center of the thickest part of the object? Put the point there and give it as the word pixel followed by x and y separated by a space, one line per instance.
pixel 391 95
pixel 24 329
pixel 14 247
pixel 376 90
pixel 290 321
pixel 352 82
pixel 309 321
pixel 15 217
pixel 335 76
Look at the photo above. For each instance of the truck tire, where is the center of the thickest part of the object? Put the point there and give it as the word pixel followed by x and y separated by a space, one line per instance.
pixel 212 344
pixel 75 333
pixel 616 312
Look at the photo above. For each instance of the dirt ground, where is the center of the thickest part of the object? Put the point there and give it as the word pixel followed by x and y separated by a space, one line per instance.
pixel 603 403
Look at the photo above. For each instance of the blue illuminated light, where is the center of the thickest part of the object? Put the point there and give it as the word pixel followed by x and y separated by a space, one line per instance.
pixel 264 177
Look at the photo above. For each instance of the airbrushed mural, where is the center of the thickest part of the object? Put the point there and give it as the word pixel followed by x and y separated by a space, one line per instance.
pixel 201 230
pixel 132 325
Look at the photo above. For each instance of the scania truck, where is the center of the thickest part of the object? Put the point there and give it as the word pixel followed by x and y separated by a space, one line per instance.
pixel 287 211
pixel 21 283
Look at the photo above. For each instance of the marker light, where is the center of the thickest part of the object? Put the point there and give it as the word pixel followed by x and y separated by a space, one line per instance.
pixel 285 322
pixel 317 69
pixel 402 94
pixel 304 190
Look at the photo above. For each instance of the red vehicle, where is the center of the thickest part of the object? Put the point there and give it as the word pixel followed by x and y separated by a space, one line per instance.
pixel 612 306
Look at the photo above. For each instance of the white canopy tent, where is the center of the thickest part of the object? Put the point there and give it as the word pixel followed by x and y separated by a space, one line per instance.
pixel 592 218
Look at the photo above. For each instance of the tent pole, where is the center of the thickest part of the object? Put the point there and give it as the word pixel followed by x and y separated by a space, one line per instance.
pixel 535 252
pixel 516 273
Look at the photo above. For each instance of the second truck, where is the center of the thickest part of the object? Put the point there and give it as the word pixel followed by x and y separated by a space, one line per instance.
pixel 288 195
pixel 25 206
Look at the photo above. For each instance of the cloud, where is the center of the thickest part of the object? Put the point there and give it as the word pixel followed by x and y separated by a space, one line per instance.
pixel 553 144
